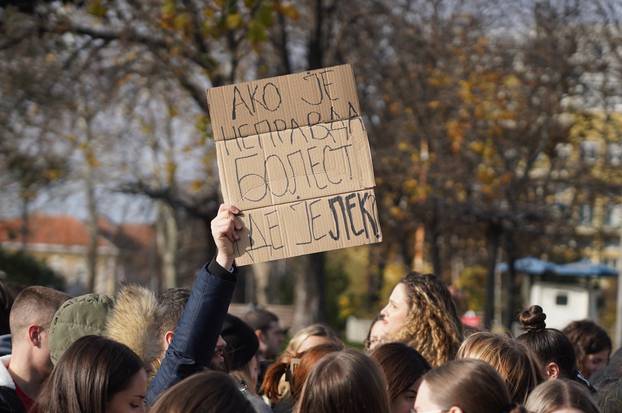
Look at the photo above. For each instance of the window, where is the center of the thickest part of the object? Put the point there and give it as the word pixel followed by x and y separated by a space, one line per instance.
pixel 614 154
pixel 613 215
pixel 564 150
pixel 589 152
pixel 585 214
pixel 561 299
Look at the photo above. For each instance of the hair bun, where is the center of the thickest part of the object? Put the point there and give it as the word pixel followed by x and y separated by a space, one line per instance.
pixel 532 319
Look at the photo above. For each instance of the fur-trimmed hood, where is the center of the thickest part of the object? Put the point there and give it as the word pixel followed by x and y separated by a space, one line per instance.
pixel 5 377
pixel 131 322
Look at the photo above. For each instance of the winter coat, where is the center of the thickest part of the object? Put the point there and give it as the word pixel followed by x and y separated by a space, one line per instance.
pixel 197 332
pixel 9 402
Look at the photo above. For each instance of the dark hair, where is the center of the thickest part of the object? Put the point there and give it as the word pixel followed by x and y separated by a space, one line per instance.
pixel 610 397
pixel 587 338
pixel 208 392
pixel 402 366
pixel 295 370
pixel 470 384
pixel 260 319
pixel 171 305
pixel 346 381
pixel 368 343
pixel 557 394
pixel 87 376
pixel 7 296
pixel 547 344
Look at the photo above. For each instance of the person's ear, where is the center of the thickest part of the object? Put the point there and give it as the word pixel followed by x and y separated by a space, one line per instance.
pixel 34 335
pixel 260 335
pixel 455 409
pixel 168 337
pixel 552 370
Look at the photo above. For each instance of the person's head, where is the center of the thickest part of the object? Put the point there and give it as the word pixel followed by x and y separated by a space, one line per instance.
pixel 375 334
pixel 311 336
pixel 509 358
pixel 422 314
pixel 171 304
pixel 295 371
pixel 609 396
pixel 95 375
pixel 560 395
pixel 403 368
pixel 551 347
pixel 208 392
pixel 346 381
pixel 7 295
pixel 30 318
pixel 464 386
pixel 592 345
pixel 241 350
pixel 268 330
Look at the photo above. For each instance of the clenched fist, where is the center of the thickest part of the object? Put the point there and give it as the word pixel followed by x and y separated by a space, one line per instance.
pixel 225 228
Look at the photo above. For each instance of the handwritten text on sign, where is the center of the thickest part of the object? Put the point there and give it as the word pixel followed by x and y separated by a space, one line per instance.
pixel 291 144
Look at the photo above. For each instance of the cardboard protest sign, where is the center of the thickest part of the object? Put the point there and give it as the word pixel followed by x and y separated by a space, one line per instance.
pixel 293 155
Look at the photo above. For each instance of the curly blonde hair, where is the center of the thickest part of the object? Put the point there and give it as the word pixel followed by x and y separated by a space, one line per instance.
pixel 433 327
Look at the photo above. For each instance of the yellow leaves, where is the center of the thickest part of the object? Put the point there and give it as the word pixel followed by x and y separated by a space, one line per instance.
pixel 287 9
pixel 395 108
pixel 455 133
pixel 397 212
pixel 96 8
pixel 52 174
pixel 196 185
pixel 182 22
pixel 433 104
pixel 410 184
pixel 170 168
pixel 234 21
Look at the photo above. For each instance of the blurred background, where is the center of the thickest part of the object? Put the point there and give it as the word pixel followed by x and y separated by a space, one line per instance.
pixel 495 128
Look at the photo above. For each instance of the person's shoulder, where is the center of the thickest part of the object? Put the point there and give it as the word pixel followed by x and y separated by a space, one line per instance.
pixel 9 401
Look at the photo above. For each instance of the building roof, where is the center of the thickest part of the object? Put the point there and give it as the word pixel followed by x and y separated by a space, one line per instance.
pixel 63 230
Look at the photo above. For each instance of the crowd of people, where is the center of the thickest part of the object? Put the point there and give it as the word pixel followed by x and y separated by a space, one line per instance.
pixel 182 352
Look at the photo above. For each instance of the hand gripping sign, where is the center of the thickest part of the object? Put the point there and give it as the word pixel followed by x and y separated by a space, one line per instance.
pixel 293 155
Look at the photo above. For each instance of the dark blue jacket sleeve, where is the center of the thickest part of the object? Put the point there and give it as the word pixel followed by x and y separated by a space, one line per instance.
pixel 197 332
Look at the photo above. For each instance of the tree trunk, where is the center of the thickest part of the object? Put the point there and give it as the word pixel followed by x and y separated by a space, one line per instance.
pixel 309 296
pixel 168 243
pixel 493 239
pixel 510 284
pixel 91 205
pixel 261 272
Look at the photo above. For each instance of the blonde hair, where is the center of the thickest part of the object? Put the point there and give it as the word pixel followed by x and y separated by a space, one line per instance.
pixel 314 330
pixel 433 327
pixel 557 394
pixel 510 359
pixel 274 383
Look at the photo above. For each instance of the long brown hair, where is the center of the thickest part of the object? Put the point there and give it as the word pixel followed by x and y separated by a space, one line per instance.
pixel 87 376
pixel 208 392
pixel 296 371
pixel 273 384
pixel 472 385
pixel 402 366
pixel 513 361
pixel 433 327
pixel 587 337
pixel 347 381
pixel 557 394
